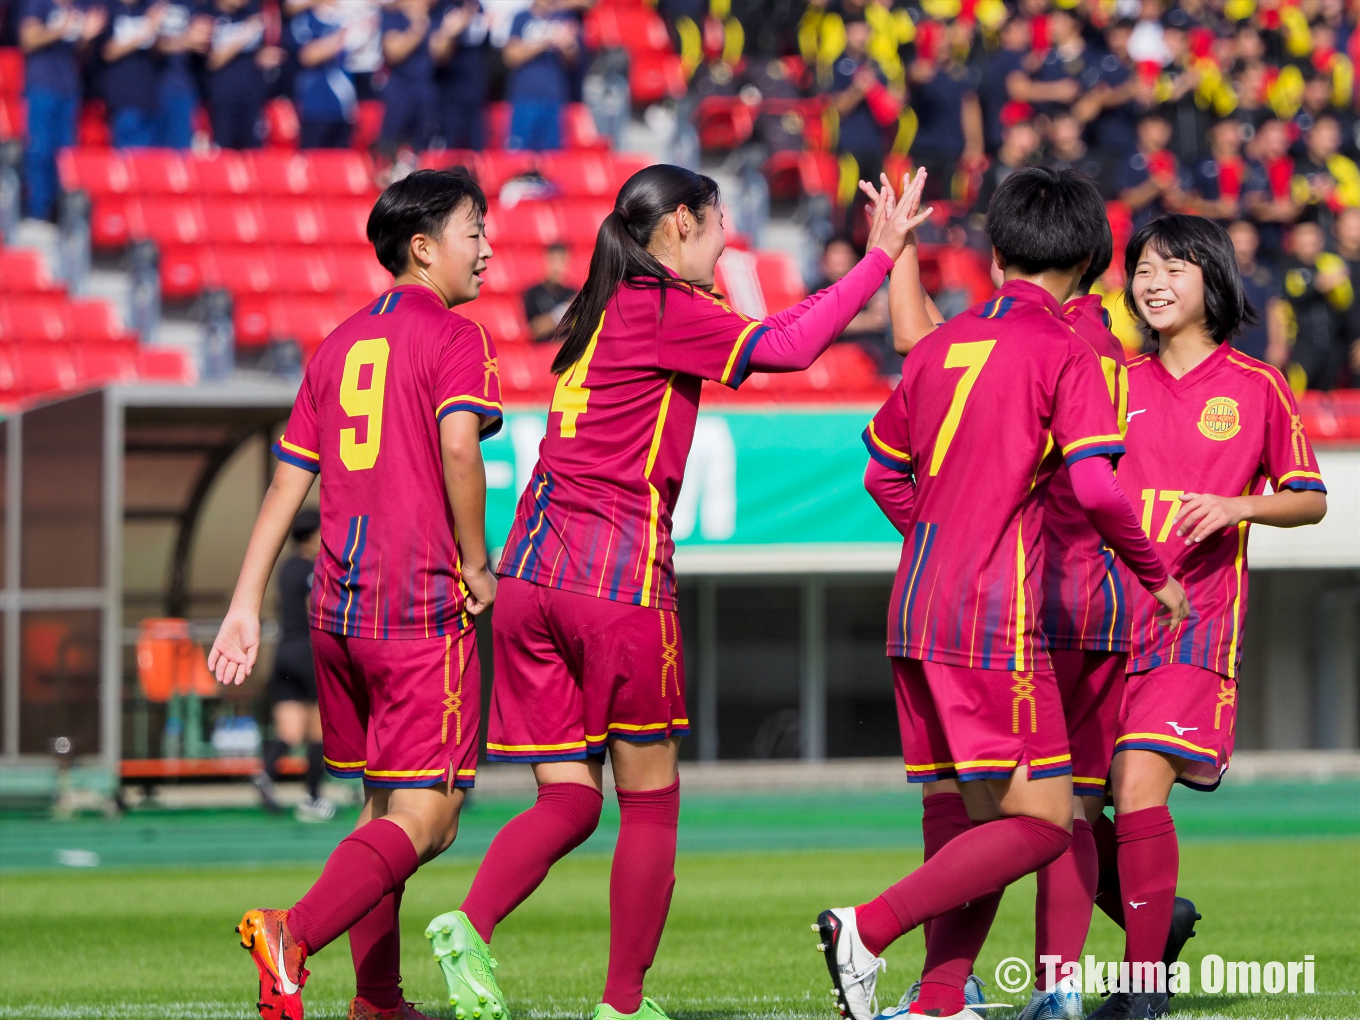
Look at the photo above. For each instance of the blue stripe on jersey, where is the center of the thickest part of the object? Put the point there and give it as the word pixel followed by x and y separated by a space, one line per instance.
pixel 355 541
pixel 527 548
pixel 997 307
pixel 923 539
pixel 386 303
pixel 1111 635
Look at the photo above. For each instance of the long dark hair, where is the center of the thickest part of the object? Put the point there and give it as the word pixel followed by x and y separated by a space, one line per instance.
pixel 1206 244
pixel 645 199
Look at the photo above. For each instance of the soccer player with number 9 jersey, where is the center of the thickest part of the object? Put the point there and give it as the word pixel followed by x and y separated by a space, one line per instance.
pixel 1208 429
pixel 390 414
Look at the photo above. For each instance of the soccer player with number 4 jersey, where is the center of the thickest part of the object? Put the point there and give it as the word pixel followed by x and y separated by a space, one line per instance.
pixel 587 639
pixel 1208 429
pixel 989 405
pixel 390 414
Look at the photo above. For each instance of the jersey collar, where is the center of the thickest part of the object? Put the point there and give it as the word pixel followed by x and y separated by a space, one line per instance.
pixel 1203 370
pixel 1023 290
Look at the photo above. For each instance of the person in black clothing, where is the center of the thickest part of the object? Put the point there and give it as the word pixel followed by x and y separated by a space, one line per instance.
pixel 237 60
pixel 291 691
pixel 545 302
pixel 130 82
pixel 1263 339
pixel 1020 143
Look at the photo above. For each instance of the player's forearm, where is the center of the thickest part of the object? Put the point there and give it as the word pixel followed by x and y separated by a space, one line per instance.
pixel 893 491
pixel 1108 510
pixel 910 307
pixel 1287 508
pixel 465 484
pixel 794 346
pixel 281 503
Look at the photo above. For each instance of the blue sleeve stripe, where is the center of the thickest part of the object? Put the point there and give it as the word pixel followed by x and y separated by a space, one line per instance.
pixel 892 464
pixel 491 428
pixel 742 368
pixel 481 409
pixel 1112 450
pixel 1305 485
pixel 288 457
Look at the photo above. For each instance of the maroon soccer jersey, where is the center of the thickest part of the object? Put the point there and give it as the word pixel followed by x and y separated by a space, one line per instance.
pixel 596 517
pixel 1227 427
pixel 983 399
pixel 367 417
pixel 1084 600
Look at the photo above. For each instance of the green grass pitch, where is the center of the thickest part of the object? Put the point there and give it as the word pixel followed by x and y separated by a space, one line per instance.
pixel 145 941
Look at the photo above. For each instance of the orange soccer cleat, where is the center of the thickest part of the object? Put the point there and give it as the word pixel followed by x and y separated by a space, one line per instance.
pixel 361 1009
pixel 280 961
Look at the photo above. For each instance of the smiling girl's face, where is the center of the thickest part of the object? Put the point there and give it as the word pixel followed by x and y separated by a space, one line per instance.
pixel 1169 292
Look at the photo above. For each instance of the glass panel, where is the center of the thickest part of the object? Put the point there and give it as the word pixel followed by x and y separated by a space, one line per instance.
pixel 59 680
pixel 861 717
pixel 757 672
pixel 62 491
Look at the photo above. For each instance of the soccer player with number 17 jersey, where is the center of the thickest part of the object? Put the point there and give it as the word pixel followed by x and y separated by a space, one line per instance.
pixel 960 462
pixel 390 414
pixel 1208 428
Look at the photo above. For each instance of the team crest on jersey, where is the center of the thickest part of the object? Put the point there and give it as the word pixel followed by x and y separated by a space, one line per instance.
pixel 1220 418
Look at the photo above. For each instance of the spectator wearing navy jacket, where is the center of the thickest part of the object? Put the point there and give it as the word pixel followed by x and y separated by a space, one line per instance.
pixel 185 33
pixel 237 60
pixel 541 53
pixel 458 46
pixel 130 81
pixel 410 116
pixel 52 33
pixel 323 92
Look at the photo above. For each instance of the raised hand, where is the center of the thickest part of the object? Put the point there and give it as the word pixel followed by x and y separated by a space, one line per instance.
pixel 895 221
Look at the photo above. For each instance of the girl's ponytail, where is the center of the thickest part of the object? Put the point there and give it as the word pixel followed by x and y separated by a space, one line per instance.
pixel 621 254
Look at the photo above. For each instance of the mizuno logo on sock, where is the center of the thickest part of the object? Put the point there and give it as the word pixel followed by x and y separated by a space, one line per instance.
pixel 1135 906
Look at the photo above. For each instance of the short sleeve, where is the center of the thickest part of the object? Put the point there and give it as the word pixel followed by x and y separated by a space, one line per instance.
pixel 1288 457
pixel 1084 422
pixel 300 444
pixel 701 335
pixel 468 379
pixel 887 436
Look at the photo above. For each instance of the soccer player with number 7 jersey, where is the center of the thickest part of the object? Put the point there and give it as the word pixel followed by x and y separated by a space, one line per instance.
pixel 960 462
pixel 390 413
pixel 1208 428
pixel 587 639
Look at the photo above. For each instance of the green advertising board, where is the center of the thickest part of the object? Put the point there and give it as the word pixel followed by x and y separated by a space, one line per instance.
pixel 763 487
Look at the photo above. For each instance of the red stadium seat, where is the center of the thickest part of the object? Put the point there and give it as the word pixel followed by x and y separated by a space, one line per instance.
pixel 221 173
pixel 526 371
pixel 167 365
pixel 158 172
pixel 345 220
pixel 251 320
pixel 96 322
pixel 242 269
pixel 497 125
pixel 92 130
pixel 724 122
pixel 780 280
pixel 368 127
pixel 45 370
pixel 13 118
pixel 166 220
pixel 528 222
pixel 579 130
pixel 503 317
pixel 496 167
pixel 109 225
pixel 24 271
pixel 781 171
pixel 33 318
pixel 237 221
pixel 281 128
pixel 513 270
pixel 448 159
pixel 339 172
pixel 11 71
pixel 359 273
pixel 104 364
pixel 295 221
pixel 580 221
pixel 654 76
pixel 280 171
pixel 97 172
pixel 182 270
pixel 305 270
pixel 637 29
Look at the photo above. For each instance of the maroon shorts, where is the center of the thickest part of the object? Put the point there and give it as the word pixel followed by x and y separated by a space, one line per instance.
pixel 978 723
pixel 1185 711
pixel 573 671
pixel 1090 685
pixel 400 713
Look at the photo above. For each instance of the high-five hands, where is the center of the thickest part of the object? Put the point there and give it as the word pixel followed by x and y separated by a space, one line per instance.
pixel 893 220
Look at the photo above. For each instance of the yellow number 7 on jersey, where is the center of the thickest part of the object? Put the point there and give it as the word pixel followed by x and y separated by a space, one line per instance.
pixel 366 402
pixel 971 356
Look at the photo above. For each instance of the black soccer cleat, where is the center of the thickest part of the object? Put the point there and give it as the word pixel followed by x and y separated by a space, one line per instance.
pixel 1133 1006
pixel 1183 918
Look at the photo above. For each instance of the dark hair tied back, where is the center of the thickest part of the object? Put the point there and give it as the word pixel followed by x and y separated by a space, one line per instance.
pixel 621 254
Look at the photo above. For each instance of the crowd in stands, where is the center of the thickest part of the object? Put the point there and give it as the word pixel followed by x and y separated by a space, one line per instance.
pixel 1242 110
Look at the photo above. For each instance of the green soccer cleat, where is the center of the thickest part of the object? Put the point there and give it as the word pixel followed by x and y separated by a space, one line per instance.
pixel 466 963
pixel 649 1010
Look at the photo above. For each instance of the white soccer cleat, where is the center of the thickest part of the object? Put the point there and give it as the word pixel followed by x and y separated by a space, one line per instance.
pixel 1064 1002
pixel 854 970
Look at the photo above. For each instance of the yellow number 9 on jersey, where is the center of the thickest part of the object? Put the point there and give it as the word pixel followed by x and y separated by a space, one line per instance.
pixel 360 401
